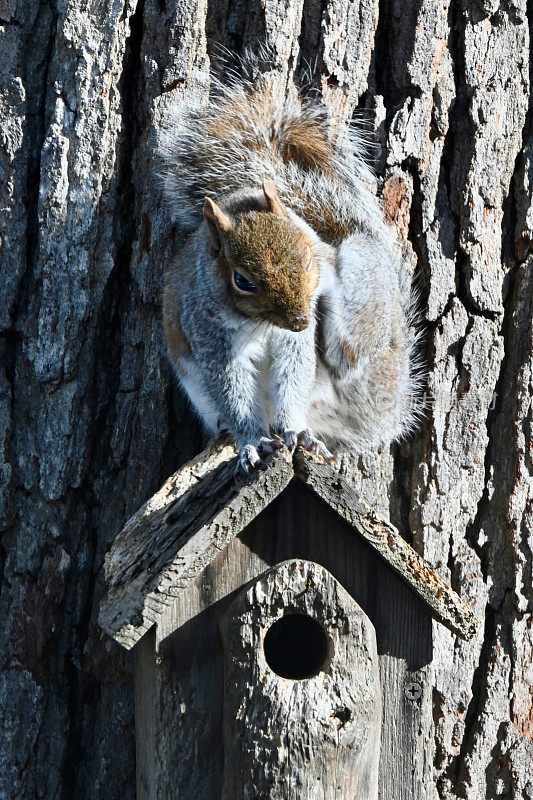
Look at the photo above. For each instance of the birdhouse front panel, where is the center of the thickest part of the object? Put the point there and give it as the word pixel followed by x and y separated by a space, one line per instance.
pixel 302 704
pixel 188 652
pixel 191 563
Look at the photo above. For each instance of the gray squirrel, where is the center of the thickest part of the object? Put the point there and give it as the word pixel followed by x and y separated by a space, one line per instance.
pixel 283 312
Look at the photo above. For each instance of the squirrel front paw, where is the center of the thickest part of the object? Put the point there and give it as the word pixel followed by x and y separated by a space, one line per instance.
pixel 252 456
pixel 307 440
pixel 290 437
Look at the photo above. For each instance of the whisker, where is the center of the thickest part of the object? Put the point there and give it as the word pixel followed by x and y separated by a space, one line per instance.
pixel 252 332
pixel 329 316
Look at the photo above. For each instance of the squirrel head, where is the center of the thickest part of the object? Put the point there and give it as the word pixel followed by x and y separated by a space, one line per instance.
pixel 265 262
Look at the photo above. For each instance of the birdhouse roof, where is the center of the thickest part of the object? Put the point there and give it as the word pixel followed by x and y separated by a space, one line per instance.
pixel 176 534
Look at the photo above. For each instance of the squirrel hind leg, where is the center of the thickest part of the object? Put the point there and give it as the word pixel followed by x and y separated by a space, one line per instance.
pixel 368 408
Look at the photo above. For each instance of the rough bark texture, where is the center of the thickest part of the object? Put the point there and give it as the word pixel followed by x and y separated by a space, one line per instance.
pixel 91 424
pixel 178 532
pixel 173 539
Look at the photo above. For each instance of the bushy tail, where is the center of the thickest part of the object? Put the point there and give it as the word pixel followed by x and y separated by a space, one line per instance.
pixel 249 131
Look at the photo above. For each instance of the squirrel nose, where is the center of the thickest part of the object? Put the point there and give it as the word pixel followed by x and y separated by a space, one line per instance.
pixel 300 322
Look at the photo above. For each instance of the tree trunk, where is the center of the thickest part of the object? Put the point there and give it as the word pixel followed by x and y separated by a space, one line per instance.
pixel 91 422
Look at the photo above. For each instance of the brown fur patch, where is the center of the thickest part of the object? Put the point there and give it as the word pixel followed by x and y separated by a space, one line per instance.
pixel 301 140
pixel 328 226
pixel 234 114
pixel 274 254
pixel 349 353
pixel 231 117
pixel 304 141
pixel 178 343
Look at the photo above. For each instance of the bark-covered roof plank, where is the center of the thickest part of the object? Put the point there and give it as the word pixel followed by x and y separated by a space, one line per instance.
pixel 177 533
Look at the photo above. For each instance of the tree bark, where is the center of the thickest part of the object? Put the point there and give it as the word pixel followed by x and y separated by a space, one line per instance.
pixel 91 422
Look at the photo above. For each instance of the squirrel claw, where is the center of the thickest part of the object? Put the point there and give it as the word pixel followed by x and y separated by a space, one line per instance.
pixel 268 446
pixel 289 437
pixel 252 457
pixel 249 459
pixel 315 446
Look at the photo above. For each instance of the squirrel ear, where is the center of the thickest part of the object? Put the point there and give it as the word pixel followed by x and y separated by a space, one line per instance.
pixel 273 203
pixel 218 223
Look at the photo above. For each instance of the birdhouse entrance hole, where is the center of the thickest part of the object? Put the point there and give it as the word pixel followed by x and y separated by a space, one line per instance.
pixel 296 647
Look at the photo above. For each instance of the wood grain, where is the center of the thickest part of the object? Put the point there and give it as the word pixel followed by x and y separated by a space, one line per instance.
pixel 173 537
pixel 178 532
pixel 188 648
pixel 445 604
pixel 318 737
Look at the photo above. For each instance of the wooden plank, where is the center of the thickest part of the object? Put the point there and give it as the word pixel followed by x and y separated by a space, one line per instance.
pixel 187 738
pixel 146 716
pixel 201 508
pixel 386 540
pixel 176 534
pixel 297 524
pixel 302 708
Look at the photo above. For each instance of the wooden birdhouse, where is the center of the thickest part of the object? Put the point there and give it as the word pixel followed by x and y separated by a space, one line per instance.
pixel 282 635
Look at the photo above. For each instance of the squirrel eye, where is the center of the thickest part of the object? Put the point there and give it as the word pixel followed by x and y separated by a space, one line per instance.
pixel 242 283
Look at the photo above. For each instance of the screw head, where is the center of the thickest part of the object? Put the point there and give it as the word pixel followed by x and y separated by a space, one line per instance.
pixel 413 690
